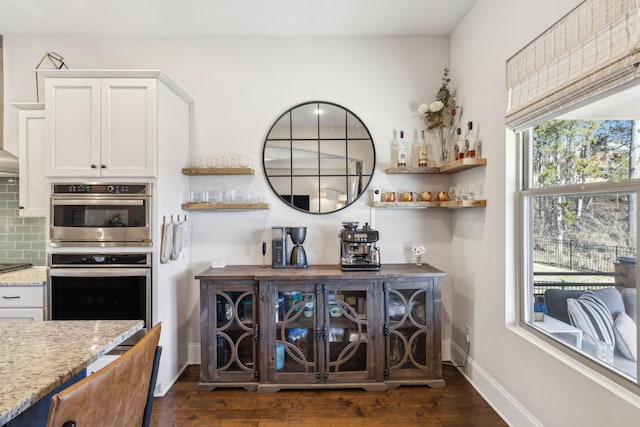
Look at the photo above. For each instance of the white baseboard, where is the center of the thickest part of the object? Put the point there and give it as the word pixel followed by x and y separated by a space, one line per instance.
pixel 500 400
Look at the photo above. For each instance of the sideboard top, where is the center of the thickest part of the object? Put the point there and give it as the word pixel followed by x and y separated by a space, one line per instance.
pixel 325 272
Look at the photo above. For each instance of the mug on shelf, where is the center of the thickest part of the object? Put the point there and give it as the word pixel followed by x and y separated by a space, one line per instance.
pixel 426 196
pixel 406 196
pixel 390 196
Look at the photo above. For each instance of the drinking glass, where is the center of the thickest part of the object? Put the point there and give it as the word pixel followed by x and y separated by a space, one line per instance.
pixel 245 161
pixel 215 196
pixel 473 192
pixel 229 195
pixel 453 193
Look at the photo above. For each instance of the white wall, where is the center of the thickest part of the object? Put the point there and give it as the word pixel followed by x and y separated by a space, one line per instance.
pixel 516 373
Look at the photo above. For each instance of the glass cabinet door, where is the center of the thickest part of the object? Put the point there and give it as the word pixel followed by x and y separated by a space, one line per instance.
pixel 322 332
pixel 296 332
pixel 349 349
pixel 235 335
pixel 408 331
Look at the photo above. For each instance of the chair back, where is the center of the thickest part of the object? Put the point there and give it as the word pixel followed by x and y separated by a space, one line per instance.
pixel 115 395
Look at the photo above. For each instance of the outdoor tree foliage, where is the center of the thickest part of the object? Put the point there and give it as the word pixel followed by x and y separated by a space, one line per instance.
pixel 573 152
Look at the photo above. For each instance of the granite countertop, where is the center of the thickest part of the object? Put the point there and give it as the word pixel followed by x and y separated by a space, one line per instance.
pixel 34 276
pixel 37 357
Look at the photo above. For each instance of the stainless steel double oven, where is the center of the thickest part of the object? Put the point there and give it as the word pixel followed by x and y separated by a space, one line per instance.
pixel 99 265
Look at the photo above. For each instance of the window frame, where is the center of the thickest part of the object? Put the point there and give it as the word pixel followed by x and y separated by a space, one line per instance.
pixel 524 198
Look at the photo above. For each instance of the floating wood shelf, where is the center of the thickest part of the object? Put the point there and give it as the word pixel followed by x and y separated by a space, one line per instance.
pixel 223 206
pixel 411 170
pixel 406 205
pixel 218 171
pixel 454 204
pixel 453 167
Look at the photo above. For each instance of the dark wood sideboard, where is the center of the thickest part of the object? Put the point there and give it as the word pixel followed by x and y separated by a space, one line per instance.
pixel 266 329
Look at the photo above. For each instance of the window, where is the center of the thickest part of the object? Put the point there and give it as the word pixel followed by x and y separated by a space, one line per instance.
pixel 580 180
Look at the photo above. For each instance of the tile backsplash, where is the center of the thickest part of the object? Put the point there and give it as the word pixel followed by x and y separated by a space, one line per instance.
pixel 22 240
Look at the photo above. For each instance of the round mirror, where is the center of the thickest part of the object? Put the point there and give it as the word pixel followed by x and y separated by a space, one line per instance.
pixel 318 157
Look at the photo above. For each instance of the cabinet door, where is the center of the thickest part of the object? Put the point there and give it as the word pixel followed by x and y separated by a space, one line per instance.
pixel 291 341
pixel 128 127
pixel 72 138
pixel 34 194
pixel 348 334
pixel 15 314
pixel 229 333
pixel 323 333
pixel 412 329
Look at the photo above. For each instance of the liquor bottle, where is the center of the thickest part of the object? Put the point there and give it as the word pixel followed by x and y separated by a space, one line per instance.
pixel 470 141
pixel 393 160
pixel 414 152
pixel 422 151
pixel 402 151
pixel 459 148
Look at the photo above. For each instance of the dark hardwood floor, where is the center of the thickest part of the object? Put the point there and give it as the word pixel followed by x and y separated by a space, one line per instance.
pixel 457 404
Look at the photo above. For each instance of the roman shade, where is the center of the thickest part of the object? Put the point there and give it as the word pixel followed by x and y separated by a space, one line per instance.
pixel 592 49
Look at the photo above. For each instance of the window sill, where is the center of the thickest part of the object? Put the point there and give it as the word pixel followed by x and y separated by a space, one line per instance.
pixel 624 388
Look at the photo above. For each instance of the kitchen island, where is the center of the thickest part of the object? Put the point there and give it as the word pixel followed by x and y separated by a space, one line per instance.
pixel 266 329
pixel 38 357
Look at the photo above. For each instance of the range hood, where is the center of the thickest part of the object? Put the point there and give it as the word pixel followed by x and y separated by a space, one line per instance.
pixel 8 162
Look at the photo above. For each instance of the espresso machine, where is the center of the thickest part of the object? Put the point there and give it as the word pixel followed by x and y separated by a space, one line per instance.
pixel 281 255
pixel 358 250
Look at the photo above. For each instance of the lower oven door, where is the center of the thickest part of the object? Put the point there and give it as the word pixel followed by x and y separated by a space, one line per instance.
pixel 100 294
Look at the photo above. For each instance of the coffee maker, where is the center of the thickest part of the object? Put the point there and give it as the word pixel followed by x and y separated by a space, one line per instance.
pixel 358 250
pixel 281 256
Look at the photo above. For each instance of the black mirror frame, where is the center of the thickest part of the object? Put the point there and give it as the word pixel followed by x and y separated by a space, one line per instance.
pixel 290 202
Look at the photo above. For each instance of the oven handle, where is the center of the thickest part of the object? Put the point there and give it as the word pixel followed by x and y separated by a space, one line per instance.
pixel 109 202
pixel 98 272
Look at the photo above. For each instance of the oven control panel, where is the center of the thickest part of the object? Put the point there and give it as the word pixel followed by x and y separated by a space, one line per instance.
pixel 96 189
pixel 97 260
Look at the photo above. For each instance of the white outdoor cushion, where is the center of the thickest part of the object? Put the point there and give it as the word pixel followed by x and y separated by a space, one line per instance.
pixel 626 338
pixel 590 314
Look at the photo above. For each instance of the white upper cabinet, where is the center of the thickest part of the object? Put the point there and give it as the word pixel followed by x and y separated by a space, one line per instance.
pixel 100 127
pixel 33 189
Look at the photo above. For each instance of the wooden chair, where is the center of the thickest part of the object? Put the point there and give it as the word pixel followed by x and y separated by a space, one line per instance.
pixel 115 395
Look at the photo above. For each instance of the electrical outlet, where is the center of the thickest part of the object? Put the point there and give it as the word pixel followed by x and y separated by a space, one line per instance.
pixel 467 334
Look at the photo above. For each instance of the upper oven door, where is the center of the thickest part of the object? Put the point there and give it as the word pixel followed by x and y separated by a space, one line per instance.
pixel 100 221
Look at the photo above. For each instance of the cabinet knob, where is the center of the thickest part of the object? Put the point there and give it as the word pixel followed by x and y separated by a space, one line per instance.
pixel 20 207
pixel 103 166
pixel 93 166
